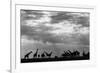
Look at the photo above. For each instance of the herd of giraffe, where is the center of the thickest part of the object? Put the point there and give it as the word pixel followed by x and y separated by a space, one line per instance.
pixel 36 55
pixel 45 54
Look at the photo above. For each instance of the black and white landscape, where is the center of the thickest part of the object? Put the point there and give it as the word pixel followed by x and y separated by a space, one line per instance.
pixel 54 36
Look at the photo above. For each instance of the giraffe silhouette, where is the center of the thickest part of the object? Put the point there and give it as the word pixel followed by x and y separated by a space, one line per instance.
pixel 76 53
pixel 43 55
pixel 27 55
pixel 48 54
pixel 65 54
pixel 35 55
pixel 38 55
pixel 71 54
pixel 84 54
pixel 56 57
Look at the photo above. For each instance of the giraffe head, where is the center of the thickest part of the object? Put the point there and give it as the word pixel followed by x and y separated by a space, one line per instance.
pixel 31 51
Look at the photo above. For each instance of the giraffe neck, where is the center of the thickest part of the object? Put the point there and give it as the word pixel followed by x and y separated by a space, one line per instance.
pixel 36 51
pixel 29 52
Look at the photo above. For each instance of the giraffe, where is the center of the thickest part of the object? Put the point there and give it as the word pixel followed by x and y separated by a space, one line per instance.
pixel 38 55
pixel 35 55
pixel 77 53
pixel 48 54
pixel 65 54
pixel 71 54
pixel 43 55
pixel 27 55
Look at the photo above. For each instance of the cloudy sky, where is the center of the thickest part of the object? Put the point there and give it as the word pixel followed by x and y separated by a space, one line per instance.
pixel 54 27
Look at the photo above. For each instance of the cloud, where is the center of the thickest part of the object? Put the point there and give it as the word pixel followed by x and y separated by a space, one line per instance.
pixel 74 17
pixel 60 17
pixel 55 27
pixel 30 14
pixel 44 34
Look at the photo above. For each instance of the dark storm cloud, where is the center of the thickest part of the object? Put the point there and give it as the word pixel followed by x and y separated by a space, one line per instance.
pixel 29 30
pixel 77 18
pixel 26 30
pixel 34 12
pixel 30 14
pixel 84 21
pixel 60 17
pixel 74 17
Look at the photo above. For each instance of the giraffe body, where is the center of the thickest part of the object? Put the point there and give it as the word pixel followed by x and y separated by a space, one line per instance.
pixel 27 55
pixel 36 53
